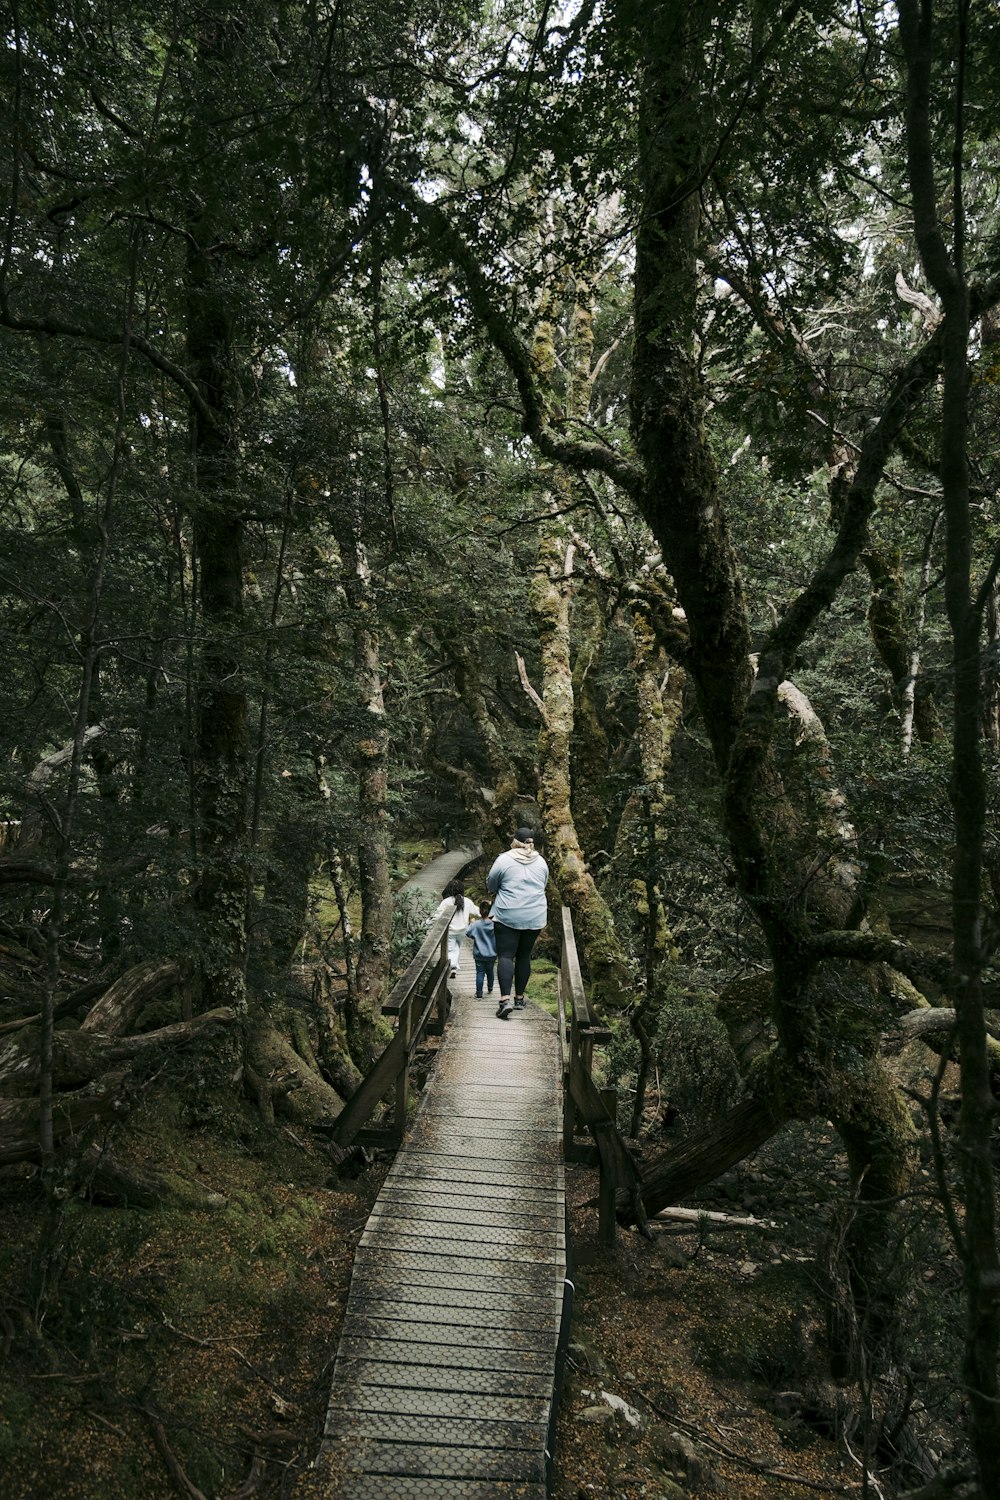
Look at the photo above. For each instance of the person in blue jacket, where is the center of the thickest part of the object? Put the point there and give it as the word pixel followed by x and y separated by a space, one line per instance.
pixel 517 883
pixel 484 950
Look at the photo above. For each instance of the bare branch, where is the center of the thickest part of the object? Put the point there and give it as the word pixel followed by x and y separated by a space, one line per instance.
pixel 522 672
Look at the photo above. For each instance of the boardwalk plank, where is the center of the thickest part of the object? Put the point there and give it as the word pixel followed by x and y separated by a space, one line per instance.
pixel 453 1335
pixel 429 1405
pixel 419 1352
pixel 358 1487
pixel 461 1322
pixel 443 1381
pixel 474 1209
pixel 371 1457
pixel 367 1369
pixel 448 1432
pixel 405 1261
pixel 409 1221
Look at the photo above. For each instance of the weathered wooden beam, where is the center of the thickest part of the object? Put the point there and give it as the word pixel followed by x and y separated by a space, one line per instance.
pixel 570 965
pixel 410 979
pixel 391 1067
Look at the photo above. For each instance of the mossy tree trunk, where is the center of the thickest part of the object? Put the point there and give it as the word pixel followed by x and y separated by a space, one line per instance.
pixel 822 1054
pixel 500 813
pixel 590 751
pixel 643 832
pixel 371 753
pixel 550 595
pixel 897 643
pixel 607 971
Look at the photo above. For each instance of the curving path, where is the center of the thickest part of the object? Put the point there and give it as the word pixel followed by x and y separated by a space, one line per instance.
pixel 432 877
pixel 444 1378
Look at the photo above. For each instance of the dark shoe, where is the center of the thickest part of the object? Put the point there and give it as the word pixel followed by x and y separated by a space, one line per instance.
pixel 506 1008
pixel 479 994
pixel 520 1001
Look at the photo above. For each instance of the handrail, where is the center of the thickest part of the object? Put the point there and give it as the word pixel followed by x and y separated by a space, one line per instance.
pixel 422 987
pixel 583 1103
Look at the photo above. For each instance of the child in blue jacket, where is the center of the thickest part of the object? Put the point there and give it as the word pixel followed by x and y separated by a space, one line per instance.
pixel 484 950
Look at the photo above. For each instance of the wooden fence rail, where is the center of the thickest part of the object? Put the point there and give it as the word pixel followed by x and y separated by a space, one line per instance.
pixel 585 1106
pixel 420 1001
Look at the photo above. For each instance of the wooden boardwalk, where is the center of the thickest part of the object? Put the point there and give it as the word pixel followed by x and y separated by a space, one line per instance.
pixel 444 1377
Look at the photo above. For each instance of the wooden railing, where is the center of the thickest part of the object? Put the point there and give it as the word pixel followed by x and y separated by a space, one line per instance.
pixel 420 1000
pixel 585 1106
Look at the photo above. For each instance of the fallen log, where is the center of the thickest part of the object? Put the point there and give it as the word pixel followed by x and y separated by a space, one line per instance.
pixel 702 1215
pixel 81 1057
pixel 71 1115
pixel 64 1007
pixel 118 1007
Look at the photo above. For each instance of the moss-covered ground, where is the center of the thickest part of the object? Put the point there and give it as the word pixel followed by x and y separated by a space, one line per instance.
pixel 156 1353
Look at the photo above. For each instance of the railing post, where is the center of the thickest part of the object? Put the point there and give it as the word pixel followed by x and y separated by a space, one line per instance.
pixel 443 1001
pixel 586 1045
pixel 596 1108
pixel 403 1079
pixel 569 1108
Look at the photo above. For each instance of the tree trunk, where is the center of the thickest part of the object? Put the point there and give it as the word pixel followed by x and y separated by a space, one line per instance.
pixel 501 811
pixel 222 734
pixel 978 1245
pixel 705 1156
pixel 813 1012
pixel 371 750
pixel 590 751
pixel 550 597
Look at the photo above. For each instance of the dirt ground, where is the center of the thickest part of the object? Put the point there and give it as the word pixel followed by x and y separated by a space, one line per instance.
pixel 697 1333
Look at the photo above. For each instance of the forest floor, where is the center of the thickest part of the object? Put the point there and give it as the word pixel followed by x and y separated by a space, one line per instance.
pixel 695 1358
pixel 188 1352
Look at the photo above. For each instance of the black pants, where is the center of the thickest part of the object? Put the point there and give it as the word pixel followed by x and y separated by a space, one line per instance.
pixel 514 945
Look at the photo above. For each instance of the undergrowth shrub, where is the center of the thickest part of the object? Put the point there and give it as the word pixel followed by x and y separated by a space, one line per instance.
pixel 696 1064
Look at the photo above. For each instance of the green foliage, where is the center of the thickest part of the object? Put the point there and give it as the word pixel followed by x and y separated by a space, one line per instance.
pixel 697 1069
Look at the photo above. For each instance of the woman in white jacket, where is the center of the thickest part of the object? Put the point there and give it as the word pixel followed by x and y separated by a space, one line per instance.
pixel 463 911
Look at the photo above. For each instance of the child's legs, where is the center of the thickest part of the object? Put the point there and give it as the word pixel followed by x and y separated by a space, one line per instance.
pixel 481 974
pixel 454 949
pixel 487 964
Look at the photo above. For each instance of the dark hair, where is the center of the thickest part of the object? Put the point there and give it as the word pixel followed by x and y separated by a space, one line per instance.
pixel 456 888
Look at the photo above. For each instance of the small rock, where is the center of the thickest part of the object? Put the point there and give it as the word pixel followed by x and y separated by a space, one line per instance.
pixel 622 1408
pixel 598 1416
pixel 749 1268
pixel 676 1453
